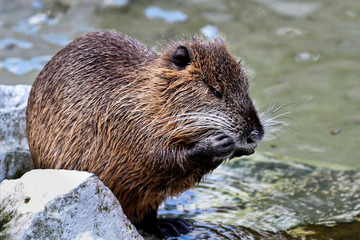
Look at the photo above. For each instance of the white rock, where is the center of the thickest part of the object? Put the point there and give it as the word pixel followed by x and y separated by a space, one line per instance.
pixel 61 204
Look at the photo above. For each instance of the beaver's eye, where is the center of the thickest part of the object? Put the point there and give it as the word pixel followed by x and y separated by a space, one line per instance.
pixel 216 92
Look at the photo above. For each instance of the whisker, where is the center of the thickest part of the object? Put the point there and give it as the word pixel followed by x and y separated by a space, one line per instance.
pixel 212 116
pixel 273 120
pixel 205 120
pixel 194 122
pixel 270 112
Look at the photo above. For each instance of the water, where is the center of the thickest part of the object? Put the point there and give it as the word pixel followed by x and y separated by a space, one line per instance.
pixel 271 199
pixel 303 55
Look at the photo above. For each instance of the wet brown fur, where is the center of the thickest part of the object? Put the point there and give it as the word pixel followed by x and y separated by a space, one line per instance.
pixel 108 105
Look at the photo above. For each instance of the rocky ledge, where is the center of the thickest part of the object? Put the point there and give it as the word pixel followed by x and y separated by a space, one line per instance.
pixel 61 204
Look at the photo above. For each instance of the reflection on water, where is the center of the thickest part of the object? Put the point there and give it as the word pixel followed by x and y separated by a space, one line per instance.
pixel 270 197
pixel 20 66
pixel 344 231
pixel 154 12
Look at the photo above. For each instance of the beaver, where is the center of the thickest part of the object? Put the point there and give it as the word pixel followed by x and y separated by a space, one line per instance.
pixel 149 124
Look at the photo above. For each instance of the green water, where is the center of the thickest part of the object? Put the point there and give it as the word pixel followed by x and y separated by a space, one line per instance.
pixel 268 198
pixel 303 55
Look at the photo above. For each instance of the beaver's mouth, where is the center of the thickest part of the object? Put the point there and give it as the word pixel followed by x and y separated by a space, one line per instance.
pixel 244 151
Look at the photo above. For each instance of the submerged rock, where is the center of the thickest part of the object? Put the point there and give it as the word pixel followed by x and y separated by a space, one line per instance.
pixel 61 204
pixel 15 157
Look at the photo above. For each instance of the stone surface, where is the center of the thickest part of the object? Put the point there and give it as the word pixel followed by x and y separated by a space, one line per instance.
pixel 15 158
pixel 13 101
pixel 13 164
pixel 61 204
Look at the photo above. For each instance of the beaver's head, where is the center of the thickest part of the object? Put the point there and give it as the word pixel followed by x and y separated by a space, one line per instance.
pixel 204 97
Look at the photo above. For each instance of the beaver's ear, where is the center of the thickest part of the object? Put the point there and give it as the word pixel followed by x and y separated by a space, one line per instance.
pixel 181 57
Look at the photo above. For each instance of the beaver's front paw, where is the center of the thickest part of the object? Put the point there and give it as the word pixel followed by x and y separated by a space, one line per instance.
pixel 220 145
pixel 217 146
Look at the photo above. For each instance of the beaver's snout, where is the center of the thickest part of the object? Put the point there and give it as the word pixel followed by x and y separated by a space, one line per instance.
pixel 255 136
pixel 223 145
pixel 249 143
pixel 249 140
pixel 244 151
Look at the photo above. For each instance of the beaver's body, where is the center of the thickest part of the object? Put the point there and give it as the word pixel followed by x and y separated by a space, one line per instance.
pixel 150 126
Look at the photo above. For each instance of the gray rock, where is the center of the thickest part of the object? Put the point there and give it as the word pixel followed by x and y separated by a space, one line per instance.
pixel 15 158
pixel 13 101
pixel 13 164
pixel 61 204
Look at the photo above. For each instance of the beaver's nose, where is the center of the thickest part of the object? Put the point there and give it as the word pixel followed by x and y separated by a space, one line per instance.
pixel 255 136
